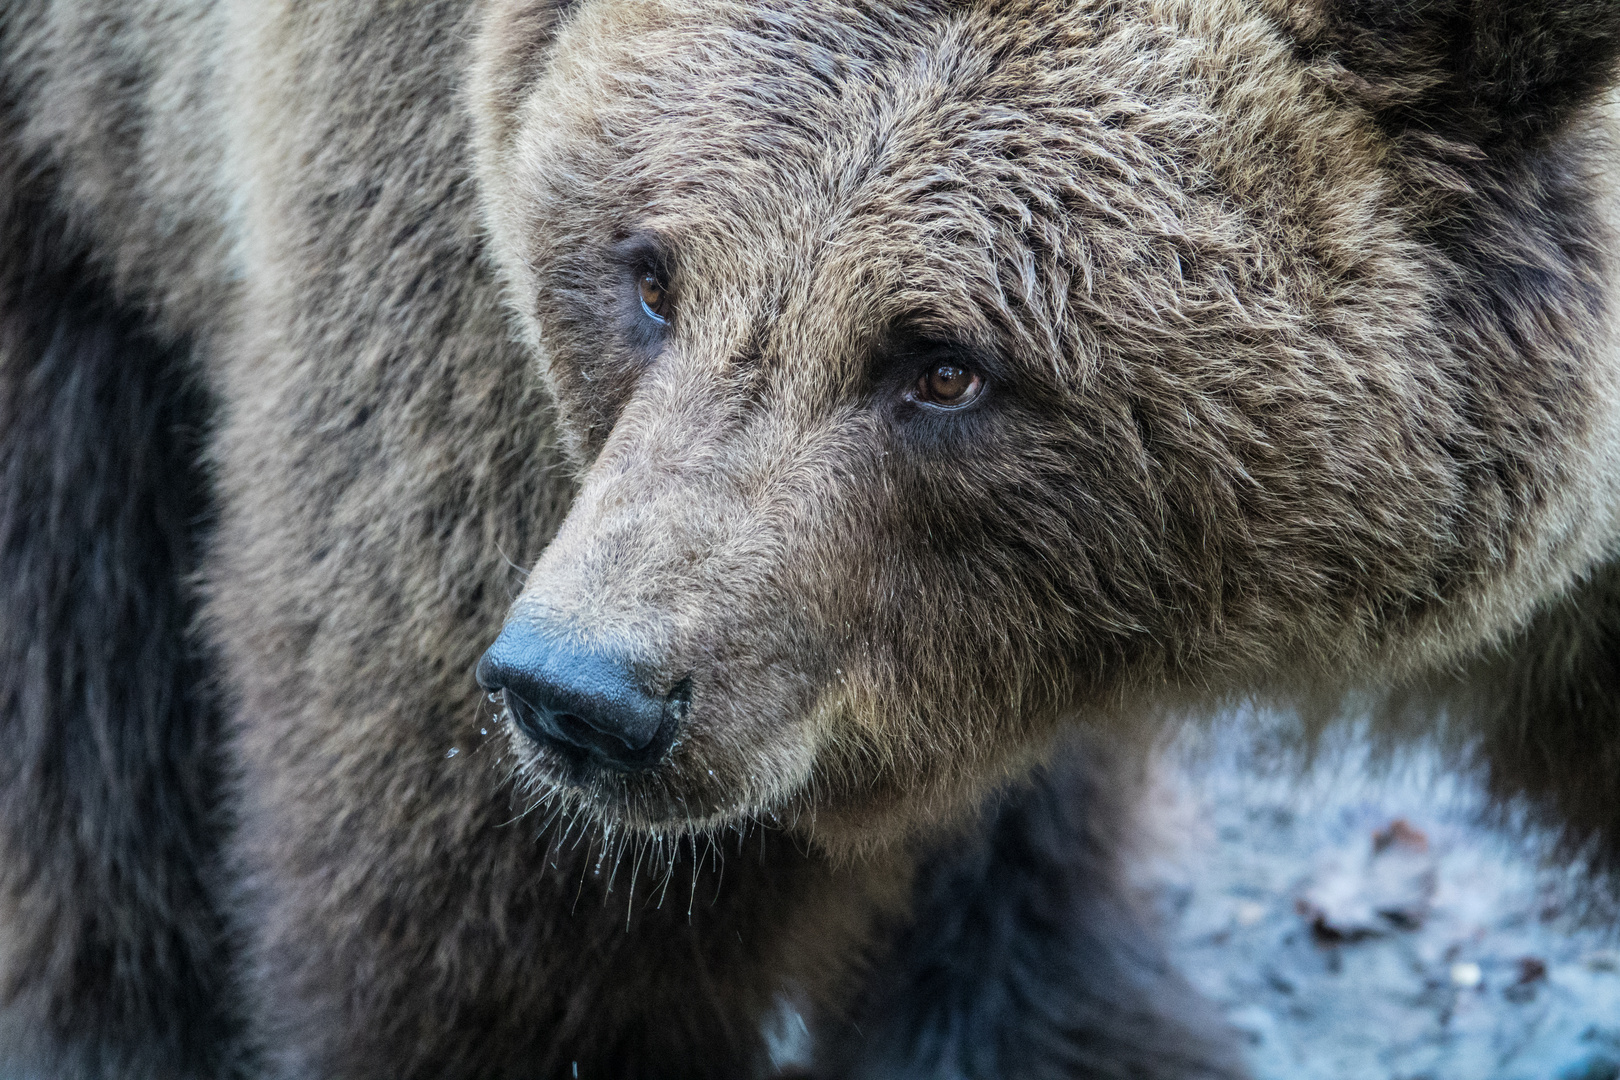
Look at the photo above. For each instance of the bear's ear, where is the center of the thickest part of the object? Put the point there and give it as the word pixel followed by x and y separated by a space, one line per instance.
pixel 1493 73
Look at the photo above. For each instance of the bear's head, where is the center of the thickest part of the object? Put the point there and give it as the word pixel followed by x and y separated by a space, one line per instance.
pixel 938 371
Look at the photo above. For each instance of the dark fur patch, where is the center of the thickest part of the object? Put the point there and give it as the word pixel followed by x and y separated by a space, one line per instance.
pixel 112 958
pixel 1551 703
pixel 1541 719
pixel 1492 73
pixel 1023 957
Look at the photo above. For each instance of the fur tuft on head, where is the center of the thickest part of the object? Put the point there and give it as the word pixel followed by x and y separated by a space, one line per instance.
pixel 1496 74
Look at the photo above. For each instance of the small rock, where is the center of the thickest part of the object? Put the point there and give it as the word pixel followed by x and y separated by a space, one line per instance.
pixel 1400 833
pixel 1390 887
pixel 1249 913
pixel 1602 960
pixel 1531 969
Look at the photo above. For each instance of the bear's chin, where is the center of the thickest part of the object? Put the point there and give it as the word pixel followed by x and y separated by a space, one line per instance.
pixel 665 800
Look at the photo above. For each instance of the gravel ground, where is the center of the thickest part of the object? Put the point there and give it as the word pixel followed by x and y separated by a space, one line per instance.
pixel 1359 924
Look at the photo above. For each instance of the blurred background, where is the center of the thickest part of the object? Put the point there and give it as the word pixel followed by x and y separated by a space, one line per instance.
pixel 1361 922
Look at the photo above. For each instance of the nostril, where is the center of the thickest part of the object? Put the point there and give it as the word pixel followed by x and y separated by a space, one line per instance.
pixel 524 715
pixel 581 733
pixel 581 701
pixel 545 726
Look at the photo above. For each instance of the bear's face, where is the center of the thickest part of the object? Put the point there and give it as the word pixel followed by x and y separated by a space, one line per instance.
pixel 935 373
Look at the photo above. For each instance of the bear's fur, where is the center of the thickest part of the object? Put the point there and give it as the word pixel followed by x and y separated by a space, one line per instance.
pixel 1294 327
pixel 1303 368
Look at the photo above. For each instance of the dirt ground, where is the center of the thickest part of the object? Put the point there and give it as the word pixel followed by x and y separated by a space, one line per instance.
pixel 1360 924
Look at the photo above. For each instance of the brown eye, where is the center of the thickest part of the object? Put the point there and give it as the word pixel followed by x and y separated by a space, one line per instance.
pixel 654 297
pixel 949 386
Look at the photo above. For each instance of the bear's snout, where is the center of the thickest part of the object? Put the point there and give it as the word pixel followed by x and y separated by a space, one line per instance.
pixel 584 703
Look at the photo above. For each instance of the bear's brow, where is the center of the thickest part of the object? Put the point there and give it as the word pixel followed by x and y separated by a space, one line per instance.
pixel 645 249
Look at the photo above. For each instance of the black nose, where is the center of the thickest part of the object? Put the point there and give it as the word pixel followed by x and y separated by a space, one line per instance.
pixel 578 700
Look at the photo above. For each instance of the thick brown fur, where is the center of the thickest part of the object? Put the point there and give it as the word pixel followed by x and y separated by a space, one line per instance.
pixel 1290 393
pixel 1294 322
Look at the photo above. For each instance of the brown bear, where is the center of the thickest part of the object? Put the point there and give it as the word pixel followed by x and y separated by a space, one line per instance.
pixel 797 416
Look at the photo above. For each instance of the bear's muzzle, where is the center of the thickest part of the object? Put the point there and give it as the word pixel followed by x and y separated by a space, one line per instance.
pixel 584 703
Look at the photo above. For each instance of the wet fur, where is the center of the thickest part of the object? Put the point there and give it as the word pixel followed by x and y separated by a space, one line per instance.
pixel 1303 315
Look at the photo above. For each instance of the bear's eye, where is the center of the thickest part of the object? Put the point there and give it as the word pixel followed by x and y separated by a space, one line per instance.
pixel 654 296
pixel 948 386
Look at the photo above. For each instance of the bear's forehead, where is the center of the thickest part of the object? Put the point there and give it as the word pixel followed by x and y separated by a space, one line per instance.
pixel 1007 165
pixel 837 93
pixel 722 96
pixel 792 118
